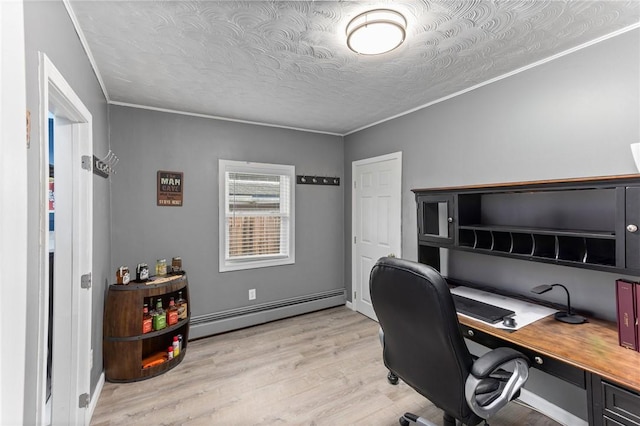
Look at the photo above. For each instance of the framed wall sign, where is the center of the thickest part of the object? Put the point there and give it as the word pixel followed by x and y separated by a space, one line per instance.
pixel 170 188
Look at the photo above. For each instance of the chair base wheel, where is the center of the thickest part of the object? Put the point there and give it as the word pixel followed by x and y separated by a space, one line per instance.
pixel 403 421
pixel 392 378
pixel 448 420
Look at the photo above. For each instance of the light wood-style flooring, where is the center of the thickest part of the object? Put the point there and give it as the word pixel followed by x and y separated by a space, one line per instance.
pixel 323 368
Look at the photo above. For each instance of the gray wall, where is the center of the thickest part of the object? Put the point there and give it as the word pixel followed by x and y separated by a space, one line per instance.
pixel 574 116
pixel 48 29
pixel 147 141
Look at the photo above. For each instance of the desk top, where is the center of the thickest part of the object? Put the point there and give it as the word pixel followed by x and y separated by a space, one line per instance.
pixel 592 346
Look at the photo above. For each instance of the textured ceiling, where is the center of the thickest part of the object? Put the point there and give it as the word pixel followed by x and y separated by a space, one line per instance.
pixel 286 63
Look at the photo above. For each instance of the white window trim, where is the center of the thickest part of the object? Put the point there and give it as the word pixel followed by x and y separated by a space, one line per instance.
pixel 225 166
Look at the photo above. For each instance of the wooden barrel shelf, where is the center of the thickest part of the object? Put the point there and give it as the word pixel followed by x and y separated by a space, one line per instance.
pixel 124 345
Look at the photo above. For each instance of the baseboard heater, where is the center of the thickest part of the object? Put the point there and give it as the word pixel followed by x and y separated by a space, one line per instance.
pixel 234 319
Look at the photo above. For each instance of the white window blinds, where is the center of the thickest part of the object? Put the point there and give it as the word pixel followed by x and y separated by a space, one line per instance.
pixel 258 215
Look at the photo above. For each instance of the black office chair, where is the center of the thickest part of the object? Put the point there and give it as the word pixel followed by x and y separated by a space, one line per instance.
pixel 423 346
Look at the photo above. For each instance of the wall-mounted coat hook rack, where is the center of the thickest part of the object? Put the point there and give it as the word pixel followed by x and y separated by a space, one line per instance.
pixel 317 180
pixel 105 166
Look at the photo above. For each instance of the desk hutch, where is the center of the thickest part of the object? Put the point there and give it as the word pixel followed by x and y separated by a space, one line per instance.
pixel 590 223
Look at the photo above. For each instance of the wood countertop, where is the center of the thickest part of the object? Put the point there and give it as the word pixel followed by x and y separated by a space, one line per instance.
pixel 592 346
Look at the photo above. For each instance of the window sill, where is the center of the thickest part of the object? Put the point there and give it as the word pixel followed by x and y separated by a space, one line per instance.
pixel 254 264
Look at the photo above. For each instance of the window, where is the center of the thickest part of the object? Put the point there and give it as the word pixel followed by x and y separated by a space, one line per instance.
pixel 256 215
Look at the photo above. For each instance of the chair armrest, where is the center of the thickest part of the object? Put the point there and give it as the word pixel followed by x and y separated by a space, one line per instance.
pixel 488 362
pixel 494 380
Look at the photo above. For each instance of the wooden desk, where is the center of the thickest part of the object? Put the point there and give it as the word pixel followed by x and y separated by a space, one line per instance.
pixel 587 355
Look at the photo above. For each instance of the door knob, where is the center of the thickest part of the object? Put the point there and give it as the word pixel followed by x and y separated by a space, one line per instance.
pixel 632 228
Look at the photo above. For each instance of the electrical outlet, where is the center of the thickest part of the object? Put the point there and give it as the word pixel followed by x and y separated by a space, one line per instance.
pixel 252 294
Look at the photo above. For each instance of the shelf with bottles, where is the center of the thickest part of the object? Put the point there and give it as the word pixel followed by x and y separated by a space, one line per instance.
pixel 157 319
pixel 130 299
pixel 154 333
pixel 127 338
pixel 159 352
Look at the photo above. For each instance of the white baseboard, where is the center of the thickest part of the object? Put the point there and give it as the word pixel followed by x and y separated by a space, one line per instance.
pixel 94 398
pixel 350 305
pixel 550 410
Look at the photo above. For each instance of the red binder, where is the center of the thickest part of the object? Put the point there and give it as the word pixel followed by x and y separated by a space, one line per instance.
pixel 626 307
pixel 638 316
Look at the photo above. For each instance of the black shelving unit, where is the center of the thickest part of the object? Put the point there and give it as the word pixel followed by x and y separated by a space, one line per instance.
pixel 587 223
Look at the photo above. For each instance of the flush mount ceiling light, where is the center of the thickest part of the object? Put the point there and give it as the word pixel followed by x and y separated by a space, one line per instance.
pixel 376 31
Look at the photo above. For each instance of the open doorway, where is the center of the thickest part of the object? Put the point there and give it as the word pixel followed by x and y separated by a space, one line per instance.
pixel 52 248
pixel 64 322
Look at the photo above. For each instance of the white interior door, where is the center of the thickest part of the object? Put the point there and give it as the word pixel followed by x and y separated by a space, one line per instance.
pixel 376 224
pixel 73 239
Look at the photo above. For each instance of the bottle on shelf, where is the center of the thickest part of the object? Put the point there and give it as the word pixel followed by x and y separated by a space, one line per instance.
pixel 176 264
pixel 160 319
pixel 176 346
pixel 172 313
pixel 147 321
pixel 122 275
pixel 170 353
pixel 142 272
pixel 161 267
pixel 181 304
pixel 152 310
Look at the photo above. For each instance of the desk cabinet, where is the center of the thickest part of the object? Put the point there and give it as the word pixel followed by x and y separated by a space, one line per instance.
pixel 632 225
pixel 589 223
pixel 435 218
pixel 613 405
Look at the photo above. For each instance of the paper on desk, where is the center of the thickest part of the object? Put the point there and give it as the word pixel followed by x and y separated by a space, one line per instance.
pixel 526 312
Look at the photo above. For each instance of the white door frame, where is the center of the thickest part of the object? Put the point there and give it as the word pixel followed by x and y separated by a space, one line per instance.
pixel 354 219
pixel 72 310
pixel 13 219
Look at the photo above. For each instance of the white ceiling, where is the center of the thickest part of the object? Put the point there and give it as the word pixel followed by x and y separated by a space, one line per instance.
pixel 285 63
